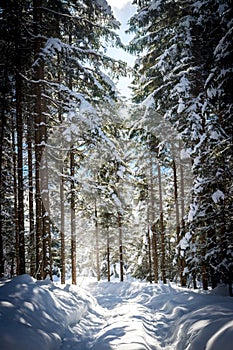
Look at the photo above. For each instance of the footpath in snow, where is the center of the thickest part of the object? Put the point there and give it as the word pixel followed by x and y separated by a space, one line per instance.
pixel 130 315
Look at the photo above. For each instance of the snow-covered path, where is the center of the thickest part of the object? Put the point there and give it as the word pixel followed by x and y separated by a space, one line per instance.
pixel 122 322
pixel 136 316
pixel 133 315
pixel 119 322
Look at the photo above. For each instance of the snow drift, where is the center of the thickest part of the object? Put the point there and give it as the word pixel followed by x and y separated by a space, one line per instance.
pixel 36 315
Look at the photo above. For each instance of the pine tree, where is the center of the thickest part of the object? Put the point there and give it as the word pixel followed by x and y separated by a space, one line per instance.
pixel 38 62
pixel 180 76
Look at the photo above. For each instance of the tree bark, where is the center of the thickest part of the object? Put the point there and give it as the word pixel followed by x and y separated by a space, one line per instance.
pixel 62 202
pixel 62 231
pixel 182 204
pixel 73 224
pixel 162 229
pixel 119 219
pixel 151 217
pixel 108 254
pixel 97 243
pixel 46 234
pixel 15 201
pixel 19 126
pixel 31 199
pixel 148 247
pixel 38 110
pixel 179 258
pixel 2 135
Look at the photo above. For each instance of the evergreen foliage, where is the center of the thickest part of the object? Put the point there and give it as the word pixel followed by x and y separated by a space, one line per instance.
pixel 181 45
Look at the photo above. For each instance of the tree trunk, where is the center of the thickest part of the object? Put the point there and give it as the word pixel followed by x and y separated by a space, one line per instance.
pixel 178 236
pixel 31 200
pixel 203 266
pixel 62 202
pixel 20 182
pixel 38 76
pixel 97 243
pixel 19 125
pixel 73 224
pixel 148 248
pixel 62 231
pixel 182 203
pixel 194 270
pixel 46 235
pixel 15 201
pixel 162 229
pixel 2 135
pixel 151 217
pixel 119 219
pixel 108 254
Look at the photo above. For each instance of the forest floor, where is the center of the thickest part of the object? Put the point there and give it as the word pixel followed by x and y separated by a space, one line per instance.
pixel 128 315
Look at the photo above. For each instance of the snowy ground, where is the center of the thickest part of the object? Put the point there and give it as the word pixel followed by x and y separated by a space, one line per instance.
pixel 101 316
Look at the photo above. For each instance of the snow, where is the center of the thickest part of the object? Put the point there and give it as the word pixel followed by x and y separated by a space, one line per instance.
pixel 135 315
pixel 216 196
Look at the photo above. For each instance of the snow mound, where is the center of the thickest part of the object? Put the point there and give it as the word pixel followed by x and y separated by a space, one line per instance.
pixel 35 315
pixel 133 315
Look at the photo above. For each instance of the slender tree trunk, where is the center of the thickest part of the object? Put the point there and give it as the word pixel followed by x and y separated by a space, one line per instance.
pixel 19 125
pixel 72 204
pixel 194 270
pixel 46 236
pixel 31 200
pixel 20 176
pixel 108 254
pixel 203 266
pixel 119 219
pixel 97 243
pixel 73 224
pixel 15 202
pixel 178 237
pixel 182 204
pixel 151 215
pixel 43 234
pixel 62 231
pixel 38 76
pixel 162 229
pixel 62 202
pixel 2 134
pixel 1 244
pixel 148 248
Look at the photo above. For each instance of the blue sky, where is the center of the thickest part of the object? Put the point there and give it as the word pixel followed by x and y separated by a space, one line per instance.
pixel 123 10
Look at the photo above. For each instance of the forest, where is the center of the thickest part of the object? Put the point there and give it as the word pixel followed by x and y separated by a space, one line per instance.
pixel 96 184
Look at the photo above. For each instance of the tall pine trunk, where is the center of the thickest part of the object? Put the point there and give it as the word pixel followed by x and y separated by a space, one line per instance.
pixel 73 224
pixel 119 220
pixel 62 230
pixel 62 200
pixel 148 246
pixel 162 228
pixel 46 235
pixel 31 198
pixel 97 243
pixel 151 217
pixel 16 226
pixel 2 135
pixel 108 254
pixel 182 225
pixel 38 110
pixel 19 129
pixel 180 268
